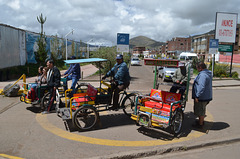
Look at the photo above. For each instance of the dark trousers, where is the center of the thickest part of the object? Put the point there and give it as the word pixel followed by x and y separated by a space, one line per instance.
pixel 52 98
pixel 116 90
pixel 180 87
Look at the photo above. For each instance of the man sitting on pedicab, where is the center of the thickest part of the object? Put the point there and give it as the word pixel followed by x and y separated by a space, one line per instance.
pixel 73 73
pixel 121 77
pixel 180 79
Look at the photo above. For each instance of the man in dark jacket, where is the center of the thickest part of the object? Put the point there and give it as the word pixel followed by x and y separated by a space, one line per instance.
pixel 53 82
pixel 201 93
pixel 74 74
pixel 120 74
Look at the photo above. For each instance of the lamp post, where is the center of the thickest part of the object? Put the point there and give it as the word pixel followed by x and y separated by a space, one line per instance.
pixel 66 40
pixel 88 47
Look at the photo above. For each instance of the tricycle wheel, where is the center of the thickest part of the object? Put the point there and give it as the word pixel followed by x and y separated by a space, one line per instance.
pixel 85 117
pixel 128 104
pixel 44 101
pixel 177 122
pixel 22 98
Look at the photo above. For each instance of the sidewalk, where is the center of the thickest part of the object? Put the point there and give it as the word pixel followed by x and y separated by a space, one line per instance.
pixel 87 70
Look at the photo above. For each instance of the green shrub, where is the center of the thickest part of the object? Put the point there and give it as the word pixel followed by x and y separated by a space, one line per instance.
pixel 235 75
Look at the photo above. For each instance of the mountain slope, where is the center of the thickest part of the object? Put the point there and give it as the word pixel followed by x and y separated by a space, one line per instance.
pixel 142 41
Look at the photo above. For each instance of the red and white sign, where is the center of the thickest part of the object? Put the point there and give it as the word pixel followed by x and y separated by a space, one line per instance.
pixel 226 24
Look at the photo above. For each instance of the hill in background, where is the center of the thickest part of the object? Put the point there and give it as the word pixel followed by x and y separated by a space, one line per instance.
pixel 142 41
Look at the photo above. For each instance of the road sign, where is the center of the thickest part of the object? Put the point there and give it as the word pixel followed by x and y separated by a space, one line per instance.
pixel 122 42
pixel 122 39
pixel 225 48
pixel 213 46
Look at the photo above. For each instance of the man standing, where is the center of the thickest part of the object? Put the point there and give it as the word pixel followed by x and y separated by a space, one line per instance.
pixel 201 93
pixel 120 74
pixel 53 82
pixel 74 74
pixel 180 78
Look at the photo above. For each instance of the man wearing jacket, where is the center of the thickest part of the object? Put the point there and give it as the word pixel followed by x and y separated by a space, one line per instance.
pixel 201 93
pixel 74 74
pixel 180 78
pixel 120 74
pixel 53 82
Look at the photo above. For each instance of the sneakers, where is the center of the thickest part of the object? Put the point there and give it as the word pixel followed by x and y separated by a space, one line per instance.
pixel 45 112
pixel 113 108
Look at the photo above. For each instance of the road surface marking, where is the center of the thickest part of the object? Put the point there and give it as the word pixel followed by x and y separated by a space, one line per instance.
pixel 43 121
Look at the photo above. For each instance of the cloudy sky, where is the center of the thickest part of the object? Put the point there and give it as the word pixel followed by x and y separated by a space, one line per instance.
pixel 101 20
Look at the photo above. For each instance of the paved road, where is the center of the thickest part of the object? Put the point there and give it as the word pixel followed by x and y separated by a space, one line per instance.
pixel 26 133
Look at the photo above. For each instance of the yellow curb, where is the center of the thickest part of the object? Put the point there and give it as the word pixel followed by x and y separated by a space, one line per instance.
pixel 43 121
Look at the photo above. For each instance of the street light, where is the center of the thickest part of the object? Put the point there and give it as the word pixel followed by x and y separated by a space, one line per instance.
pixel 88 47
pixel 66 40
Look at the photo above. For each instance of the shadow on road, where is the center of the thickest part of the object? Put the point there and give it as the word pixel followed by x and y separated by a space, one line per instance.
pixel 106 121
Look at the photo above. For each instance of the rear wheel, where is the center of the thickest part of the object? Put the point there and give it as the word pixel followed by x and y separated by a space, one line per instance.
pixel 85 117
pixel 177 122
pixel 128 104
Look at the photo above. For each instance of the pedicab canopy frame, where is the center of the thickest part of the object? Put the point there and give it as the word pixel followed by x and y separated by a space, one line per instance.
pixel 160 62
pixel 89 60
pixel 161 108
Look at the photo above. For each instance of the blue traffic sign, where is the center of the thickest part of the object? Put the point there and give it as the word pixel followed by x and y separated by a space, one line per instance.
pixel 213 43
pixel 122 39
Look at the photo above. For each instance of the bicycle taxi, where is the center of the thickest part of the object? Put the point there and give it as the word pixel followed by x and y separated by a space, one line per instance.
pixel 161 108
pixel 40 97
pixel 91 98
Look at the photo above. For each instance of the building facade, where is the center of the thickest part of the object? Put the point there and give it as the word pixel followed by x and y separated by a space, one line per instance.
pixel 178 45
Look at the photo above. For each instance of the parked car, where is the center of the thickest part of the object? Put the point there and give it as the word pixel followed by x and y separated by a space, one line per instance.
pixel 135 61
pixel 166 73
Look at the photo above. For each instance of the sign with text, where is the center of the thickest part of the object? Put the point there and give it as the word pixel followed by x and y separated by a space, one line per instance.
pixel 213 46
pixel 225 48
pixel 161 62
pixel 122 42
pixel 226 24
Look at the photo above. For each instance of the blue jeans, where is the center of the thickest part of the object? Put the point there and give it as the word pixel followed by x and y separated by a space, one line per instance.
pixel 74 82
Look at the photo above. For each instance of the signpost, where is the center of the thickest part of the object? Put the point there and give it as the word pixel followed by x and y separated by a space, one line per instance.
pixel 122 42
pixel 225 30
pixel 213 49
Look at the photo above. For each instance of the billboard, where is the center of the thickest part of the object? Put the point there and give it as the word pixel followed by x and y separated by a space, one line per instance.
pixel 226 24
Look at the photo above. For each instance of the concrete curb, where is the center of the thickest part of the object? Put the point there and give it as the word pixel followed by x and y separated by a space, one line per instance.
pixel 157 151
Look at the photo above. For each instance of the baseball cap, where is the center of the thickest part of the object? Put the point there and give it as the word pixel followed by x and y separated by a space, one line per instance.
pixel 73 57
pixel 119 56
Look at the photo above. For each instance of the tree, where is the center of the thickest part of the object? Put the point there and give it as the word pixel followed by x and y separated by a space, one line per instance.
pixel 41 20
pixel 41 54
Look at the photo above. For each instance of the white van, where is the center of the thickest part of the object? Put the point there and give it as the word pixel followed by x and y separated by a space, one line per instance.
pixel 187 56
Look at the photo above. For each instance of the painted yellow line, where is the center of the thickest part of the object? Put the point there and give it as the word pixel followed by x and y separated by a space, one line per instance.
pixel 10 157
pixel 43 121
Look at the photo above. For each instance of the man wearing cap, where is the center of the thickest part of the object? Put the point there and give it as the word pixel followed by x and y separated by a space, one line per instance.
pixel 120 74
pixel 73 73
pixel 180 78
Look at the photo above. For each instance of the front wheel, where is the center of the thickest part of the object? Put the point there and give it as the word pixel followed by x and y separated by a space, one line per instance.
pixel 177 122
pixel 128 104
pixel 85 117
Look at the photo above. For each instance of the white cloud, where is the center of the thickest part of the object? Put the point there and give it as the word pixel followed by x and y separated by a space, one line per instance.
pixel 160 20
